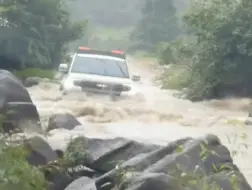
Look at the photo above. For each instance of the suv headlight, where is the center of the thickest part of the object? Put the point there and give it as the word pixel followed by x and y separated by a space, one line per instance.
pixel 126 88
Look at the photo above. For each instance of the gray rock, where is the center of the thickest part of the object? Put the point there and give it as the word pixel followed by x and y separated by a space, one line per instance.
pixel 11 89
pixel 62 121
pixel 192 162
pixel 31 81
pixel 16 104
pixel 151 181
pixel 104 154
pixel 83 183
pixel 40 152
pixel 21 116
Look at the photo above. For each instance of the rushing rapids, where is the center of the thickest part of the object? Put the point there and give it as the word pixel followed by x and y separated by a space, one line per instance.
pixel 157 118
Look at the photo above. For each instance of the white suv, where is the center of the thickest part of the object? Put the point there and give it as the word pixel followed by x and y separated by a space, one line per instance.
pixel 99 72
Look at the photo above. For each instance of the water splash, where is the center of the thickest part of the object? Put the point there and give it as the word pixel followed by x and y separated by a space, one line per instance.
pixel 159 119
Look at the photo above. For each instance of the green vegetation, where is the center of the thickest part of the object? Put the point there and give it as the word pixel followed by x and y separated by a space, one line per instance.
pixel 36 72
pixel 175 77
pixel 35 33
pixel 178 55
pixel 217 51
pixel 16 172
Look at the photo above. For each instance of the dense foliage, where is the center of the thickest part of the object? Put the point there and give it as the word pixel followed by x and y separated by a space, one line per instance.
pixel 221 54
pixel 35 33
pixel 159 23
pixel 16 173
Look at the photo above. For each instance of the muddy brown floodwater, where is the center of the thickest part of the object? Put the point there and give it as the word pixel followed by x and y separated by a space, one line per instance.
pixel 158 118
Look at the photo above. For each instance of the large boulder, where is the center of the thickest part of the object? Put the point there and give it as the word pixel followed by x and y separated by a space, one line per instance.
pixel 64 121
pixel 184 164
pixel 104 154
pixel 11 89
pixel 21 116
pixel 16 104
pixel 40 152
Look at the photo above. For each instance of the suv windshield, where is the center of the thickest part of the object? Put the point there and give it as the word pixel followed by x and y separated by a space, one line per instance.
pixel 100 66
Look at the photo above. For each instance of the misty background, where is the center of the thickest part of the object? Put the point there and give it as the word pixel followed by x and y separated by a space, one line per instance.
pixel 111 23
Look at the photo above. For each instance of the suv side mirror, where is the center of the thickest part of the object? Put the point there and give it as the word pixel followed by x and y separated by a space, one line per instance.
pixel 63 68
pixel 136 78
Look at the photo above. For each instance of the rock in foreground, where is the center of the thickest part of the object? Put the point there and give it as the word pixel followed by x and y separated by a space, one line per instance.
pixel 184 164
pixel 40 152
pixel 11 89
pixel 83 183
pixel 16 105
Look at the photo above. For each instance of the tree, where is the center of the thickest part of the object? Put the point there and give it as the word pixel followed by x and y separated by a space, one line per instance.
pixel 222 55
pixel 40 32
pixel 159 23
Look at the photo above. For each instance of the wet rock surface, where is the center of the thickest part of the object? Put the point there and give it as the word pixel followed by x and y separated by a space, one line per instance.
pixel 83 183
pixel 104 154
pixel 16 105
pixel 183 164
pixel 40 152
pixel 12 89
pixel 62 121
pixel 31 81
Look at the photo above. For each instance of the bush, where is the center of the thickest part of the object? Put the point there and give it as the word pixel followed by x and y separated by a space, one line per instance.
pixel 35 72
pixel 176 77
pixel 179 51
pixel 221 57
pixel 16 172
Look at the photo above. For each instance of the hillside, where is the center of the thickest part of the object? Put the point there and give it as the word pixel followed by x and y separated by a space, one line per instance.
pixel 110 21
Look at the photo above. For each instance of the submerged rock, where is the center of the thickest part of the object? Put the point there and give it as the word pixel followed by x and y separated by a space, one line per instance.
pixel 62 121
